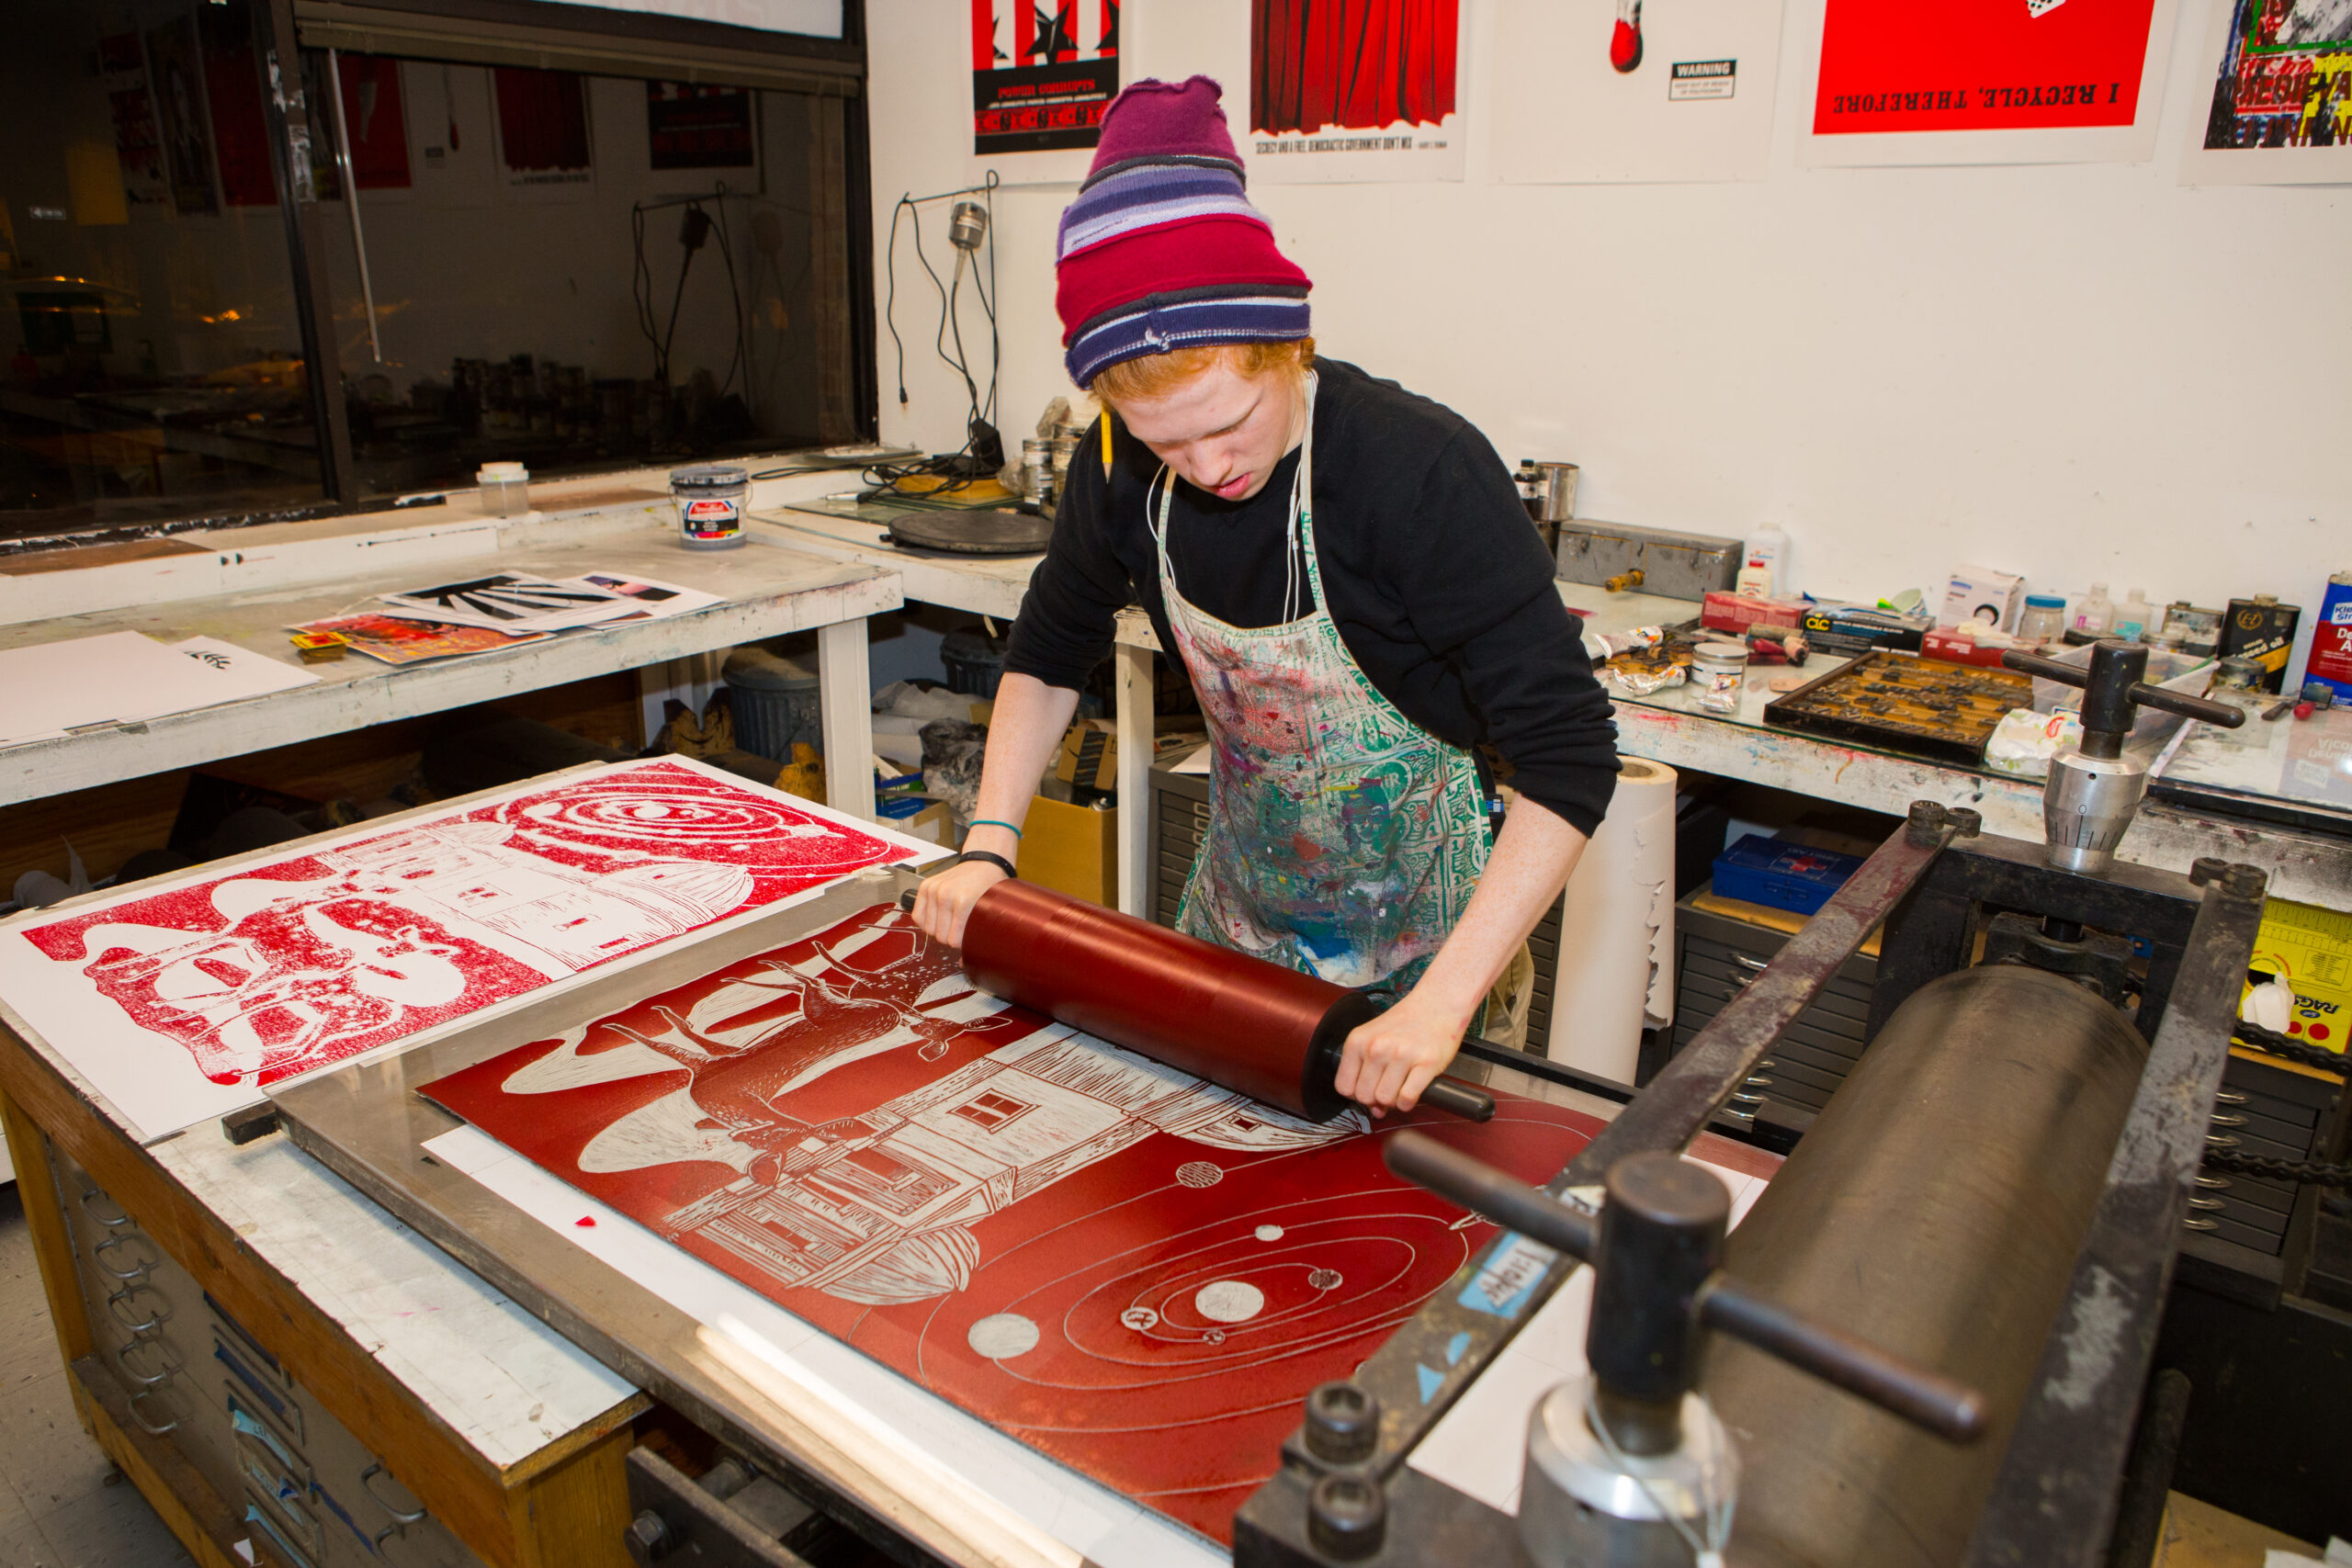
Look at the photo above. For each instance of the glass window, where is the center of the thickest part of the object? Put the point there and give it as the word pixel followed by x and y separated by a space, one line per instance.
pixel 154 366
pixel 581 271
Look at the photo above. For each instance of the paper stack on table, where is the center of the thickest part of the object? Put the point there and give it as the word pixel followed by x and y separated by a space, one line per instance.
pixel 51 689
pixel 518 604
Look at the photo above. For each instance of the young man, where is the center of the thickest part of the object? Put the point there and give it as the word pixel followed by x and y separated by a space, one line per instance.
pixel 1345 571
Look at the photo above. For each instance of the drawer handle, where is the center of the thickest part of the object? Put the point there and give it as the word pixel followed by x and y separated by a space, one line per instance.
pixel 1758 1083
pixel 144 1425
pixel 2230 1097
pixel 1747 963
pixel 2213 1183
pixel 121 1215
pixel 2206 1203
pixel 100 1251
pixel 153 1317
pixel 2197 1224
pixel 401 1517
pixel 2220 1141
pixel 122 1359
pixel 2225 1119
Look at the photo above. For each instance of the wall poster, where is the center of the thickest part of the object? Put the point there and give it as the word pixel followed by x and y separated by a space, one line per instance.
pixel 696 125
pixel 184 1001
pixel 1124 1266
pixel 543 138
pixel 178 73
pixel 1355 90
pixel 138 138
pixel 1043 72
pixel 1594 92
pixel 2280 110
pixel 1996 82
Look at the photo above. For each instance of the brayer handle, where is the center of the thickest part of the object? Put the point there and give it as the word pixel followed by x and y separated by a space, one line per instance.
pixel 1466 1100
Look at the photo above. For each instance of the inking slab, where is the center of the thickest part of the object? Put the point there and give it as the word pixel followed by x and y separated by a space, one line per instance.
pixel 185 998
pixel 1122 1265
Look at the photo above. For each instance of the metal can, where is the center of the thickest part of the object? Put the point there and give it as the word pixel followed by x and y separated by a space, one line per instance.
pixel 2262 629
pixel 710 500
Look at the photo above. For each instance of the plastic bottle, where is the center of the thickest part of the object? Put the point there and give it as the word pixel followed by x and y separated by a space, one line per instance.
pixel 2131 617
pixel 2093 612
pixel 1769 547
pixel 2044 618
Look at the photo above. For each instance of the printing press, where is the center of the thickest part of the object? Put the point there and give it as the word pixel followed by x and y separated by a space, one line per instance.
pixel 1976 1404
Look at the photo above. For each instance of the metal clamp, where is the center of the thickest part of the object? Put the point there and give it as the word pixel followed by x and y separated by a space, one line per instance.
pixel 144 1425
pixel 98 1254
pixel 154 1318
pixel 402 1517
pixel 122 1359
pixel 121 1215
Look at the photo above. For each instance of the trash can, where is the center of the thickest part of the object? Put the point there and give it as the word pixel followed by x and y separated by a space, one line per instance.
pixel 775 702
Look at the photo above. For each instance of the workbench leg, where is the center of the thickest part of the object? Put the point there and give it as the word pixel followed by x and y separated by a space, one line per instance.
pixel 573 1515
pixel 845 687
pixel 1134 703
pixel 45 1219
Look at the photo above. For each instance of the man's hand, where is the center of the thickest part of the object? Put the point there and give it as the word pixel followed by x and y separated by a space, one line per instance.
pixel 944 902
pixel 1388 1062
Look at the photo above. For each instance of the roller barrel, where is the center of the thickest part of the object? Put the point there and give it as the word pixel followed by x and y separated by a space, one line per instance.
pixel 1274 1033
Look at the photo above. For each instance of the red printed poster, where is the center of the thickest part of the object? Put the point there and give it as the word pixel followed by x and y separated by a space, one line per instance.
pixel 1993 80
pixel 1355 90
pixel 697 126
pixel 240 123
pixel 2280 110
pixel 1124 1266
pixel 138 138
pixel 371 107
pixel 1042 72
pixel 184 1002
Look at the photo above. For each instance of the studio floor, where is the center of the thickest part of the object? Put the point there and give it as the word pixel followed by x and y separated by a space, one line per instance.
pixel 63 1504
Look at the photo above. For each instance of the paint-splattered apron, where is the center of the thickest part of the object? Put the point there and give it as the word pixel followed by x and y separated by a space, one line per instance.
pixel 1343 838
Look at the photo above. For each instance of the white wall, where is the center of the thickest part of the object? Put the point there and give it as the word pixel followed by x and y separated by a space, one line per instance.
pixel 2076 372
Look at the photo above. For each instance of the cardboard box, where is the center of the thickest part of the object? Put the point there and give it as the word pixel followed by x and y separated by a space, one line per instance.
pixel 1857 628
pixel 1072 849
pixel 1089 753
pixel 1979 593
pixel 1737 612
pixel 2310 948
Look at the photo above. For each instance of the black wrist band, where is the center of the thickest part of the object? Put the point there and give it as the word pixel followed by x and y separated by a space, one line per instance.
pixel 992 858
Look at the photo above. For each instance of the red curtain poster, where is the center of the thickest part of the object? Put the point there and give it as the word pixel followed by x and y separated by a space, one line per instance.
pixel 240 124
pixel 1358 64
pixel 1042 72
pixel 543 127
pixel 1355 90
pixel 1895 66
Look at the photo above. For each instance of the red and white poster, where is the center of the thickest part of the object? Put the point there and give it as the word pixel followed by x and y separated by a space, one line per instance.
pixel 1989 82
pixel 1043 74
pixel 2278 109
pixel 1355 90
pixel 138 138
pixel 185 1002
pixel 1126 1267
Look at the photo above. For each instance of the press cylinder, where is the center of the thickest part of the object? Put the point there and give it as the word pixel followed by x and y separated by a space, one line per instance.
pixel 1935 1210
pixel 1272 1032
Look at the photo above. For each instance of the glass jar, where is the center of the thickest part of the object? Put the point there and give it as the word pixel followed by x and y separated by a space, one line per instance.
pixel 1718 670
pixel 2045 619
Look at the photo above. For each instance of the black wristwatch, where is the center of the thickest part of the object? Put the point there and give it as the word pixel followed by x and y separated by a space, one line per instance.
pixel 991 857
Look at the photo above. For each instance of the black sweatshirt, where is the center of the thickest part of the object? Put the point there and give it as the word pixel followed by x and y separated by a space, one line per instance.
pixel 1441 587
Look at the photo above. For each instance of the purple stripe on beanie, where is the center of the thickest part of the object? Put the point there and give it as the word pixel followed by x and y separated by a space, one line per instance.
pixel 1186 324
pixel 1146 196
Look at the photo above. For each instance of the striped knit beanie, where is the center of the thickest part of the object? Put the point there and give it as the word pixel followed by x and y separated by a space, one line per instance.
pixel 1161 249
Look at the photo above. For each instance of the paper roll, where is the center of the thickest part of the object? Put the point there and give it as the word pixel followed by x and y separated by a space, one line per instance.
pixel 1616 974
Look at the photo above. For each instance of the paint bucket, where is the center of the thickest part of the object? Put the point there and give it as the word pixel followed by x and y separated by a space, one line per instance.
pixel 711 501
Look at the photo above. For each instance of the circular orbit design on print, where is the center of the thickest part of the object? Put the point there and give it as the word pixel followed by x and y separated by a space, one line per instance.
pixel 669 811
pixel 1199 1173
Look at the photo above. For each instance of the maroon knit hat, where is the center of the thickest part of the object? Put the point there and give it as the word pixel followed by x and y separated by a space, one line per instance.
pixel 1161 249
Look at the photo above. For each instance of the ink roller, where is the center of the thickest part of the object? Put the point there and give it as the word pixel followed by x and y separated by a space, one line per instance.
pixel 1241 1022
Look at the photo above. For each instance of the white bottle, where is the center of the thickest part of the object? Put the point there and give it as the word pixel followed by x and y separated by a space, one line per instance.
pixel 2093 612
pixel 2131 617
pixel 1767 549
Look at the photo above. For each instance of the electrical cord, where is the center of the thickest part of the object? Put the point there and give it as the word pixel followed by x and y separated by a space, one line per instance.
pixel 957 470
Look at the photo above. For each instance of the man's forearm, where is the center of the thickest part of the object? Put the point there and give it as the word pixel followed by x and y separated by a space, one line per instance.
pixel 1026 726
pixel 1532 858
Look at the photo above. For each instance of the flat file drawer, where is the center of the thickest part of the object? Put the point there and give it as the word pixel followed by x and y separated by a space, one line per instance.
pixel 2262 1110
pixel 1716 957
